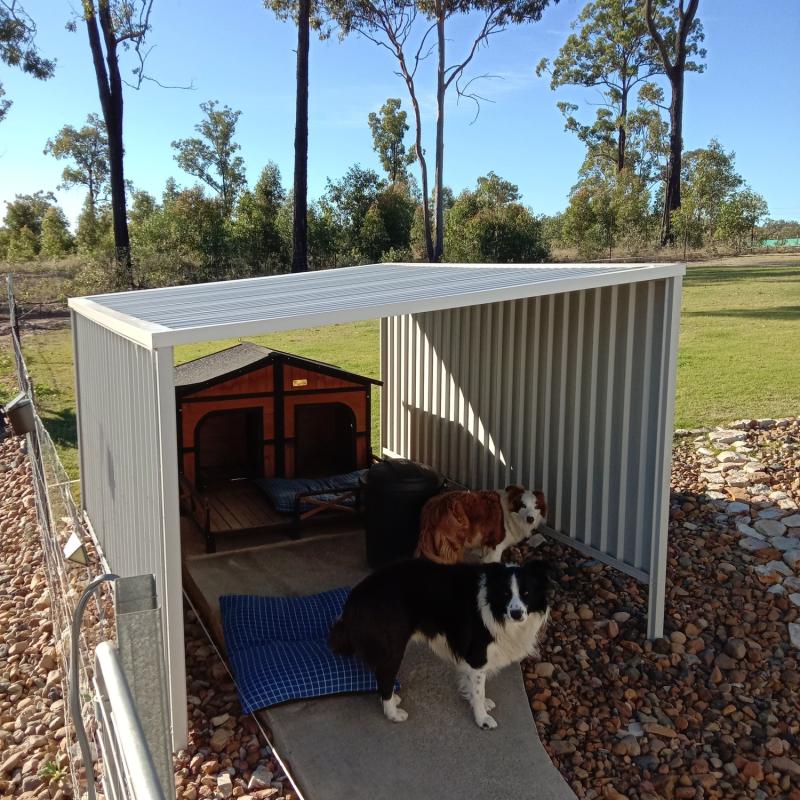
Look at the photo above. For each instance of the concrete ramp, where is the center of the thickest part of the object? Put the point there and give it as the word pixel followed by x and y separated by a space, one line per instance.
pixel 342 747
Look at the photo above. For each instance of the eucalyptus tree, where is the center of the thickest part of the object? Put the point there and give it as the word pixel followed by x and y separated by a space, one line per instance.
pixel 56 240
pixel 212 155
pixel 389 128
pixel 709 176
pixel 308 15
pixel 113 25
pixel 18 47
pixel 490 224
pixel 612 51
pixel 677 33
pixel 87 150
pixel 411 30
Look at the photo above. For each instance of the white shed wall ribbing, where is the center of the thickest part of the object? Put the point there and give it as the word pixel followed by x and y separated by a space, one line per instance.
pixel 117 388
pixel 571 393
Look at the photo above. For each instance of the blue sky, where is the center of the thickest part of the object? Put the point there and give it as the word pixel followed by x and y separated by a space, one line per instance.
pixel 749 98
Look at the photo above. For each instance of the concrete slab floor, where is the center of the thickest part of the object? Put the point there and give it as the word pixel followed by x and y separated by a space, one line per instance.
pixel 343 747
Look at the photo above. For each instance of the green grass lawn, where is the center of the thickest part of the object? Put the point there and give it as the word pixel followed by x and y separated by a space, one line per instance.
pixel 740 343
pixel 739 353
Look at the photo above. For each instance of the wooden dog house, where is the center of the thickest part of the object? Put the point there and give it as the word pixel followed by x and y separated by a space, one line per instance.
pixel 267 439
pixel 252 412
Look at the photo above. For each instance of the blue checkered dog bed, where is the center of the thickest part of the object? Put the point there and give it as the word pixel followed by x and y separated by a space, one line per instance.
pixel 283 492
pixel 278 647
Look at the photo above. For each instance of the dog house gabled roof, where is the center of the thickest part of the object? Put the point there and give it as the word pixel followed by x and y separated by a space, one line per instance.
pixel 203 312
pixel 244 357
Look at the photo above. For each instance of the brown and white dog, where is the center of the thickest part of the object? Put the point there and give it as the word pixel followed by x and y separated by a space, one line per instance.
pixel 486 521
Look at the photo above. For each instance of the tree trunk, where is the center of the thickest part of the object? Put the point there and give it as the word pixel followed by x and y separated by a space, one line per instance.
pixel 438 207
pixel 672 189
pixel 109 86
pixel 122 247
pixel 622 135
pixel 91 189
pixel 300 219
pixel 675 71
pixel 423 167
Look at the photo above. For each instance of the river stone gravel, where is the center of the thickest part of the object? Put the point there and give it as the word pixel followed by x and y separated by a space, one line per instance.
pixel 717 700
pixel 227 755
pixel 33 739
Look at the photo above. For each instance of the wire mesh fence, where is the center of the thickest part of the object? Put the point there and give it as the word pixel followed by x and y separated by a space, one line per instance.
pixel 59 519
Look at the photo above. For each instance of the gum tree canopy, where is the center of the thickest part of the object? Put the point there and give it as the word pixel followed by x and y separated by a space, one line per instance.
pixel 17 47
pixel 611 51
pixel 411 30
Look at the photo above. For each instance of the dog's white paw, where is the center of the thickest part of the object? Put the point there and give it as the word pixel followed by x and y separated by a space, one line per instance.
pixel 490 704
pixel 391 710
pixel 486 722
pixel 397 714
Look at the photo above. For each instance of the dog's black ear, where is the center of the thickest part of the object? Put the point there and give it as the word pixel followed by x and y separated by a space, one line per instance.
pixel 541 569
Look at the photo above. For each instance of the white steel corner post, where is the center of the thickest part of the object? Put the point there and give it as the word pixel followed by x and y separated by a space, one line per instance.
pixel 77 379
pixel 170 513
pixel 666 424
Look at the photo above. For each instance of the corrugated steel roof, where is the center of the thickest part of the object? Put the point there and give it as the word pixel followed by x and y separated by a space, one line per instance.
pixel 203 312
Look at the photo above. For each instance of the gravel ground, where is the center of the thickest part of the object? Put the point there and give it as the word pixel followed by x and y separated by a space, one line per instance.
pixel 33 739
pixel 712 710
pixel 227 754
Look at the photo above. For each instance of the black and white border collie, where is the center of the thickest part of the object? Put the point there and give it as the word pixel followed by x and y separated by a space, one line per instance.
pixel 481 617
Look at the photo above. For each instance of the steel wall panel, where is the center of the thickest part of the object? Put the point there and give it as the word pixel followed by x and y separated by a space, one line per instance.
pixel 126 437
pixel 571 393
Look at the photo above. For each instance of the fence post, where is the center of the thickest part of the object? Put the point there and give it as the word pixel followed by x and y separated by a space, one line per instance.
pixel 141 650
pixel 12 305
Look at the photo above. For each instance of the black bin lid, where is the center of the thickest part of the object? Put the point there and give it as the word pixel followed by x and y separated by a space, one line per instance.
pixel 404 475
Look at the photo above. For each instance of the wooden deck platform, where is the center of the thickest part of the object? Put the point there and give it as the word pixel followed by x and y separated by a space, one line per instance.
pixel 235 507
pixel 242 516
pixel 239 506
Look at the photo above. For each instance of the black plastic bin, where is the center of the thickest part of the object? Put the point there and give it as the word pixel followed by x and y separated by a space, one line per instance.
pixel 395 491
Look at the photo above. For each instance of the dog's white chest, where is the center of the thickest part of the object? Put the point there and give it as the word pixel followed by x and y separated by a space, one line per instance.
pixel 513 642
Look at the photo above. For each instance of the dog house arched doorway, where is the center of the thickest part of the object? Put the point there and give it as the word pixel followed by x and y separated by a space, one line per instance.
pixel 228 446
pixel 324 439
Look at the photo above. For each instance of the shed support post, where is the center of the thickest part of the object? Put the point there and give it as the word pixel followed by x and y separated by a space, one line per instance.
pixel 78 402
pixel 171 527
pixel 666 425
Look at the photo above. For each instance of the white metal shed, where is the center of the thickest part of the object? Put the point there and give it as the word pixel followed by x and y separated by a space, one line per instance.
pixel 561 377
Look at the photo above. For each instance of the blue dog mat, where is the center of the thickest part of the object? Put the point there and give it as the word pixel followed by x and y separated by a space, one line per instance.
pixel 278 647
pixel 283 492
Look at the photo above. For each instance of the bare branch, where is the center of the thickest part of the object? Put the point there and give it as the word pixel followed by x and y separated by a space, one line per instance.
pixel 463 92
pixel 490 25
pixel 190 88
pixel 417 56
